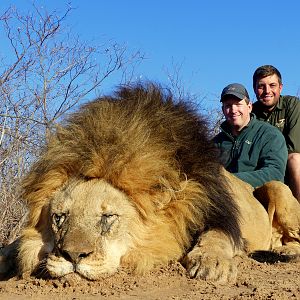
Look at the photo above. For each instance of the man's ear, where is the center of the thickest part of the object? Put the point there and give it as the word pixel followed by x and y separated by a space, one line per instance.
pixel 280 87
pixel 250 106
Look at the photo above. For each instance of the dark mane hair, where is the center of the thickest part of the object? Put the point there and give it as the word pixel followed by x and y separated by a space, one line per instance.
pixel 140 140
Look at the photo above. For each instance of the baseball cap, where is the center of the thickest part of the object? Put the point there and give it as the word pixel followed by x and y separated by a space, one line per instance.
pixel 235 89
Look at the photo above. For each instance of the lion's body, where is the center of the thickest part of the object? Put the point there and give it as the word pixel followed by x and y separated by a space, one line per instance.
pixel 135 180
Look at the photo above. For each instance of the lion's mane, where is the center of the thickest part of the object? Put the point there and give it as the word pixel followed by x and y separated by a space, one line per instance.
pixel 154 148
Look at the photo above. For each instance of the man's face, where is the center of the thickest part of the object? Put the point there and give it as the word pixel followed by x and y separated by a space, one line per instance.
pixel 268 91
pixel 236 112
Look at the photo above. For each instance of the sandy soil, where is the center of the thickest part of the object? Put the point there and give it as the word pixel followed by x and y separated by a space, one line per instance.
pixel 255 281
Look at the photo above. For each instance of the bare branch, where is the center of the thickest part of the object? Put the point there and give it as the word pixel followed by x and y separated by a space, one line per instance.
pixel 48 72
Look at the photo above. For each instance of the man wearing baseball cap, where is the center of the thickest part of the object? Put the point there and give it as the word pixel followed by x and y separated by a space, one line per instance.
pixel 253 150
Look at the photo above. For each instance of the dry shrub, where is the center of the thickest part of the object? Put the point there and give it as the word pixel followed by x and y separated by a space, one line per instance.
pixel 47 73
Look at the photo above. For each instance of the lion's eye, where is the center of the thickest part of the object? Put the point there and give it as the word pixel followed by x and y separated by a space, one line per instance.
pixel 106 222
pixel 58 219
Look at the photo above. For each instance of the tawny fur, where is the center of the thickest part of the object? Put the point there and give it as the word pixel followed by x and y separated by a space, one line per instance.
pixel 134 180
pixel 157 151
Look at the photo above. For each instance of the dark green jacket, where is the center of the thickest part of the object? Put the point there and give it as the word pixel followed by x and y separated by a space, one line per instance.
pixel 257 155
pixel 286 117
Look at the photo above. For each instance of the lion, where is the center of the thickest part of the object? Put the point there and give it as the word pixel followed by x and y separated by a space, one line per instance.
pixel 134 180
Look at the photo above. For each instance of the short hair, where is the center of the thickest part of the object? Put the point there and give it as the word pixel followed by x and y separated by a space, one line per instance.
pixel 264 71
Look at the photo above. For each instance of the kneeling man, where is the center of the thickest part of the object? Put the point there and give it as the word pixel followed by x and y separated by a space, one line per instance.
pixel 253 150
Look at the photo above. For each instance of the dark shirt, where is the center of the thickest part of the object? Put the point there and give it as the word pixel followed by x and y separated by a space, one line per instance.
pixel 286 117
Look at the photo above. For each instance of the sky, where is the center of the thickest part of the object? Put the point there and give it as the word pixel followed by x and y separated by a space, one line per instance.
pixel 211 43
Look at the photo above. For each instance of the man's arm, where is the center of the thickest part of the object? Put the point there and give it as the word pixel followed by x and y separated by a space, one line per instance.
pixel 292 134
pixel 271 163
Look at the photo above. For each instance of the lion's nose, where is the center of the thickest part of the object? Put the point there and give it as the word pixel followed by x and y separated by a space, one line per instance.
pixel 74 257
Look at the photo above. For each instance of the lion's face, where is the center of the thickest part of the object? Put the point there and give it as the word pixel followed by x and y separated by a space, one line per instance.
pixel 165 188
pixel 90 222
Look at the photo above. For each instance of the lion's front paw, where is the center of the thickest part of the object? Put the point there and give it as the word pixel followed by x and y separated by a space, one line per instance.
pixel 210 266
pixel 290 250
pixel 58 266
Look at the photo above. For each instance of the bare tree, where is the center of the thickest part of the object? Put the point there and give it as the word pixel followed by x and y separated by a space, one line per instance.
pixel 179 87
pixel 48 72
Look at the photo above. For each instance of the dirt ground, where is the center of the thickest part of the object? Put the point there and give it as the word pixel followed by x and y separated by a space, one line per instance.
pixel 255 281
